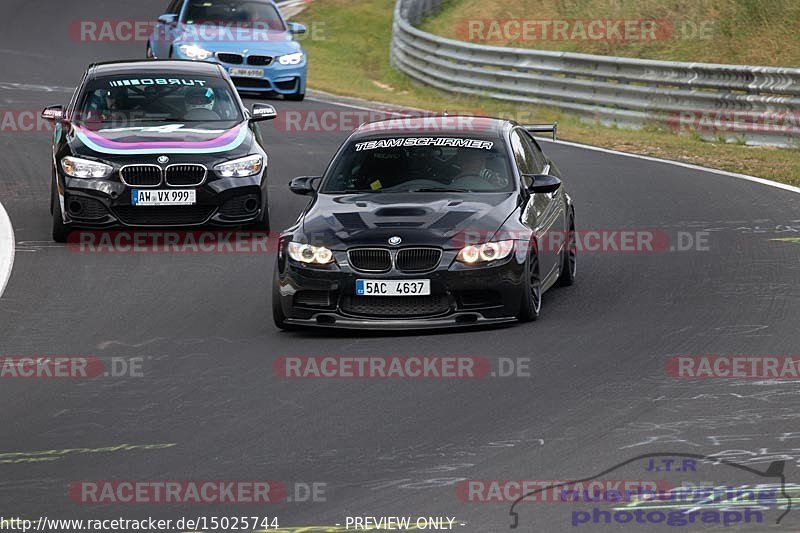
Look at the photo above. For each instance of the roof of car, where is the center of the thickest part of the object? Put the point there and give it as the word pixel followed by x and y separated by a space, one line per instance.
pixel 435 124
pixel 178 66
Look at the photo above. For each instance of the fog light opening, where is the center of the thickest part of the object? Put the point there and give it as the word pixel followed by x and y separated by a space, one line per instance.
pixel 75 207
pixel 250 205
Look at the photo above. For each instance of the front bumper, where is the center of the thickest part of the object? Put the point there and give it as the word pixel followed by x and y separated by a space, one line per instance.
pixel 276 78
pixel 284 80
pixel 325 320
pixel 105 203
pixel 460 296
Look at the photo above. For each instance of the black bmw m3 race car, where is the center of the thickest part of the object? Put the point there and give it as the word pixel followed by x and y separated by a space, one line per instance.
pixel 423 222
pixel 157 144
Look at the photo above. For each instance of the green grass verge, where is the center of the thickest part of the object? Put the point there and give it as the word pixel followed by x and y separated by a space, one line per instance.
pixel 349 55
pixel 751 32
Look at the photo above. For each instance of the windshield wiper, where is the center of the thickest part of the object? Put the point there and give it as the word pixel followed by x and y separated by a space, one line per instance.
pixel 439 189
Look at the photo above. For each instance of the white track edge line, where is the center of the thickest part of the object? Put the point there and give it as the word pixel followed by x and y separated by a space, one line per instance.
pixel 747 177
pixel 6 248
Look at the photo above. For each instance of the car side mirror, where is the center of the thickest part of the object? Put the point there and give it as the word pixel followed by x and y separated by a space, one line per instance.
pixel 168 18
pixel 53 112
pixel 296 28
pixel 303 185
pixel 262 112
pixel 544 183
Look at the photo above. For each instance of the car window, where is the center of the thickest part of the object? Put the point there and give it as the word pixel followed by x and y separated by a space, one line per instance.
pixel 118 101
pixel 222 12
pixel 526 164
pixel 420 164
pixel 540 161
pixel 529 157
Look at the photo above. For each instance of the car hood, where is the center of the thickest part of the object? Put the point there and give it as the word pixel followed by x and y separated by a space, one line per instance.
pixel 236 40
pixel 419 219
pixel 167 138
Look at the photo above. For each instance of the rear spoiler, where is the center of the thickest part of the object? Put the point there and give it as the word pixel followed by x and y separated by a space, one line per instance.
pixel 542 128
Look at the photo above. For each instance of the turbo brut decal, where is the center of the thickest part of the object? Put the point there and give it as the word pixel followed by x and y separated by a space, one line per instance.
pixel 157 81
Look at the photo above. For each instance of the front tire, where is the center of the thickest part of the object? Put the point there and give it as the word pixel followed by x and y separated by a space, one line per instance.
pixel 61 231
pixel 531 306
pixel 278 316
pixel 569 261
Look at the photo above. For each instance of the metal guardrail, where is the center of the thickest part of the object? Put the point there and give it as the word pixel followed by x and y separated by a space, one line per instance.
pixel 755 105
pixel 291 3
pixel 292 7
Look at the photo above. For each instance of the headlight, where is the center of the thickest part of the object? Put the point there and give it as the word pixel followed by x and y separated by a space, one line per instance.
pixel 482 253
pixel 305 253
pixel 240 168
pixel 192 51
pixel 83 168
pixel 291 59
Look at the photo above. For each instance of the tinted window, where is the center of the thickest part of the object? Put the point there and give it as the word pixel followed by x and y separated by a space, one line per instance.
pixel 529 157
pixel 233 11
pixel 403 164
pixel 536 153
pixel 522 154
pixel 157 98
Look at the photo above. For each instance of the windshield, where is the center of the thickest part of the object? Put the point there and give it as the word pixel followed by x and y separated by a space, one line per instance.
pixel 233 11
pixel 421 164
pixel 158 98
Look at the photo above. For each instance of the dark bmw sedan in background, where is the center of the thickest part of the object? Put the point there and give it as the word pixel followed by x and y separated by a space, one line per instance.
pixel 157 144
pixel 425 222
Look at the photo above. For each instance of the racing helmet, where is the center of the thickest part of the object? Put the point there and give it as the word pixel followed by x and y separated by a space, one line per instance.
pixel 199 98
pixel 107 99
pixel 476 157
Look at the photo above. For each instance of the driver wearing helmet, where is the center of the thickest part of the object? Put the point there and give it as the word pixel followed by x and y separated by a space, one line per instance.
pixel 199 103
pixel 476 163
pixel 104 103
